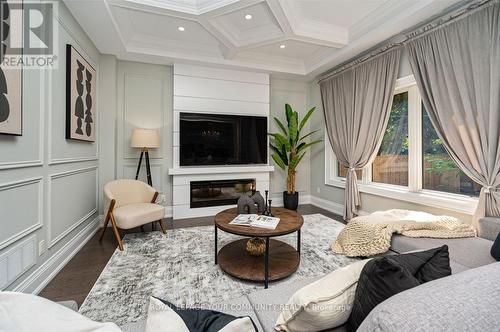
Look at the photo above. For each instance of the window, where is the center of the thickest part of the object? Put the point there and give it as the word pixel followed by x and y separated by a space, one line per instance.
pixel 439 171
pixel 391 164
pixel 411 164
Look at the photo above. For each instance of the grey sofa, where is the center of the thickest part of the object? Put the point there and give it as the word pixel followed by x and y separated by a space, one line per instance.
pixel 466 301
pixel 468 254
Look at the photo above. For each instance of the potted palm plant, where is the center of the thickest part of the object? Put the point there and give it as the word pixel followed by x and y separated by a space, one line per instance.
pixel 289 146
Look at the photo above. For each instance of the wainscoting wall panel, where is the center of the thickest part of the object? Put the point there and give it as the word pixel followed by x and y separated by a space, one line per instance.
pixel 143 108
pixel 19 220
pixel 78 190
pixel 48 184
pixel 26 150
pixel 156 173
pixel 63 150
pixel 144 100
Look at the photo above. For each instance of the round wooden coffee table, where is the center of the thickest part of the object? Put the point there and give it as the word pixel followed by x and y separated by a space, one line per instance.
pixel 279 260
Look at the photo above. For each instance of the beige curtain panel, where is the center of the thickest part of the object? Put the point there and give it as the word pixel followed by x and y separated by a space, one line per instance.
pixel 457 69
pixel 356 106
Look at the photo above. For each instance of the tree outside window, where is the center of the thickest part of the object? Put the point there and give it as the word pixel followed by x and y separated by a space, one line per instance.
pixel 440 171
pixel 391 164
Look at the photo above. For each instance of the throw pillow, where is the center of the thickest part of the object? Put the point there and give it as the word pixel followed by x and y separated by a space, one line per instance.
pixel 386 276
pixel 164 316
pixel 27 312
pixel 426 265
pixel 323 304
pixel 495 249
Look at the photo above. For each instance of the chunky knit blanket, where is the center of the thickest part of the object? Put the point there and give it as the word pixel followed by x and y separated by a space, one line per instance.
pixel 371 234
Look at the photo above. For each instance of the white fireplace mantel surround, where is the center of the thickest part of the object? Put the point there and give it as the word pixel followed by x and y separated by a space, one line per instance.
pixel 210 90
pixel 220 170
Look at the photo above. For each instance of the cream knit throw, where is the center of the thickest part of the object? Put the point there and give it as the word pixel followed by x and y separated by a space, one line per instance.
pixel 371 234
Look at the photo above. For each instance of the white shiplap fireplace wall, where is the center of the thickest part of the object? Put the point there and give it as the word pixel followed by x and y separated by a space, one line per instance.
pixel 215 91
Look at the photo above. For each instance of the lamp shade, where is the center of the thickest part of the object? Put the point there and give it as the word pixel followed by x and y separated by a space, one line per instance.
pixel 145 138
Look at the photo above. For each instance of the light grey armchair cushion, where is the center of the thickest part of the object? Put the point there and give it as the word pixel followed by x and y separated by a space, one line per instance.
pixel 467 301
pixel 268 303
pixel 470 252
pixel 489 227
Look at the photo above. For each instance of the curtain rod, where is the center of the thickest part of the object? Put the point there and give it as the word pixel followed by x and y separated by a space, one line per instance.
pixel 404 37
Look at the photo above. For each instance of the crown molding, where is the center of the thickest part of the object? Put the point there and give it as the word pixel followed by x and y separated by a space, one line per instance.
pixel 221 41
pixel 195 7
pixel 322 34
pixel 380 15
pixel 313 31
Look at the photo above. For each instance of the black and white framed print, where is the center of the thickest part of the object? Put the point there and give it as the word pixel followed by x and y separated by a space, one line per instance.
pixel 80 97
pixel 11 77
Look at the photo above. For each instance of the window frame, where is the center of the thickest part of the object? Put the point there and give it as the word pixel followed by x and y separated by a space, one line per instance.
pixel 414 192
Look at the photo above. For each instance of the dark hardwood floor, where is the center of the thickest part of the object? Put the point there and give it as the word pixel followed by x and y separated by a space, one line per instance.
pixel 76 279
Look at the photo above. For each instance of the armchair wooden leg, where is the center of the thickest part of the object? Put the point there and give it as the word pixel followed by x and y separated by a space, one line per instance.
pixel 104 229
pixel 161 226
pixel 117 234
pixel 109 215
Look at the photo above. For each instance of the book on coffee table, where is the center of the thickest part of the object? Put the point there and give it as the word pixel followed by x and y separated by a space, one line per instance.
pixel 265 222
pixel 254 220
pixel 244 219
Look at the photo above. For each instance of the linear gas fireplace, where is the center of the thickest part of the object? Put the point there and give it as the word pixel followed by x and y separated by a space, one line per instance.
pixel 218 192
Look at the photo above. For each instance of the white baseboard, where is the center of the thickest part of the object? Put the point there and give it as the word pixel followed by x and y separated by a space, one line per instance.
pixel 333 207
pixel 39 278
pixel 169 211
pixel 278 199
pixel 101 221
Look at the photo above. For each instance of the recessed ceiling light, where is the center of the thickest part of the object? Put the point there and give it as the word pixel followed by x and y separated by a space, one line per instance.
pixel 282 46
pixel 181 28
pixel 248 17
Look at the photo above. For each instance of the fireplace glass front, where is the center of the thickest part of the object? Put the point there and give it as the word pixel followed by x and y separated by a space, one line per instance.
pixel 219 192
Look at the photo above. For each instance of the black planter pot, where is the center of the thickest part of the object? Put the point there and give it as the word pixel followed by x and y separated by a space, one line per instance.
pixel 291 201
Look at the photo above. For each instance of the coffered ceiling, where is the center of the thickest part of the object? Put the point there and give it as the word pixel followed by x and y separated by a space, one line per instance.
pixel 297 37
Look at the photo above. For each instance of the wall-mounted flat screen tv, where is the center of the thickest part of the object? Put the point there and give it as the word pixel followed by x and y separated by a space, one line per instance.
pixel 213 139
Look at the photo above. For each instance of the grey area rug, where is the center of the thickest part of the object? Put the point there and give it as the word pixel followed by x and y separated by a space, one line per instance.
pixel 179 267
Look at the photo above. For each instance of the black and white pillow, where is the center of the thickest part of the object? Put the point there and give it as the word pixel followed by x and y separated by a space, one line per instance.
pixel 164 316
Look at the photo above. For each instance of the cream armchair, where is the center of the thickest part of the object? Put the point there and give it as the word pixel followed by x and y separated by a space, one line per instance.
pixel 129 204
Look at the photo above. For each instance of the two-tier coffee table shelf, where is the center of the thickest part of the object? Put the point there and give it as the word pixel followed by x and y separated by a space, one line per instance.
pixel 279 259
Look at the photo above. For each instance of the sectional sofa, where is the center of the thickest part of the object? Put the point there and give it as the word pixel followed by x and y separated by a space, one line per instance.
pixel 455 301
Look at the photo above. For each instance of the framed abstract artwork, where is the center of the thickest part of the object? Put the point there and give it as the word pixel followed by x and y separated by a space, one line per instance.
pixel 80 97
pixel 11 78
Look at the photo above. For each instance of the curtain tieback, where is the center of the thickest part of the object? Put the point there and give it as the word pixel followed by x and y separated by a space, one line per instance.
pixel 352 169
pixel 488 189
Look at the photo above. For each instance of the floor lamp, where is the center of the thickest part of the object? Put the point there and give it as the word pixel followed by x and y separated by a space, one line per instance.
pixel 145 139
